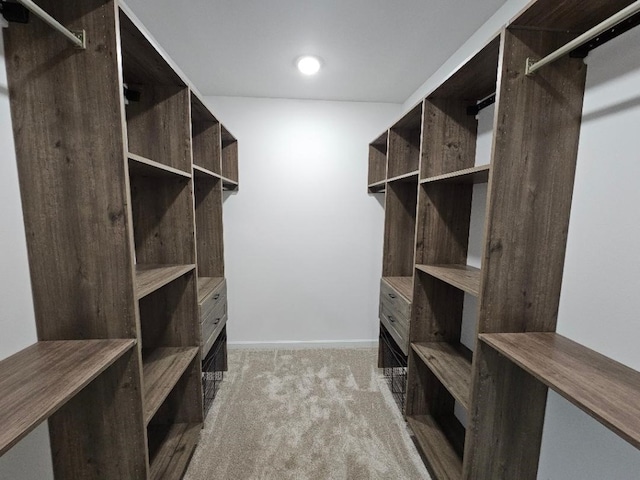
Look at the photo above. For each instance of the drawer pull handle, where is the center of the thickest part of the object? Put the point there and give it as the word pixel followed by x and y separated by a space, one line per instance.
pixel 216 321
pixel 392 295
pixel 391 319
pixel 216 296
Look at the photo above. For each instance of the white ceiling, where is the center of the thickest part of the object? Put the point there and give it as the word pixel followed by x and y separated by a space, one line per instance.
pixel 373 50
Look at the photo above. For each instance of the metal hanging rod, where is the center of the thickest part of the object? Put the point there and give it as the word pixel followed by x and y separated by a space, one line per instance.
pixel 532 65
pixel 75 37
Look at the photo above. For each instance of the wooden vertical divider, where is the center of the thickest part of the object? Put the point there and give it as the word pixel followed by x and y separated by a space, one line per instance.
pixel 530 190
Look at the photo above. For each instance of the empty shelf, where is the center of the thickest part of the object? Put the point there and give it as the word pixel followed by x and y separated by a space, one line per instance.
pixel 143 166
pixel 229 184
pixel 410 177
pixel 162 368
pixel 377 187
pixel 450 366
pixel 150 278
pixel 464 277
pixel 602 387
pixel 469 175
pixel 173 455
pixel 37 381
pixel 207 285
pixel 402 285
pixel 441 456
pixel 201 172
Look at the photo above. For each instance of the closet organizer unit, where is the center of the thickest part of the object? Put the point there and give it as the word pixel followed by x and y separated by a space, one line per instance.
pixel 105 138
pixel 498 388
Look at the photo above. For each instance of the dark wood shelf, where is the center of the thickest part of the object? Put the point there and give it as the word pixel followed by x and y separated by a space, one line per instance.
pixel 173 455
pixel 207 285
pixel 38 380
pixel 603 388
pixel 464 277
pixel 162 368
pixel 139 165
pixel 402 285
pixel 229 184
pixel 150 278
pixel 467 176
pixel 201 172
pixel 441 456
pixel 451 367
pixel 377 187
pixel 409 177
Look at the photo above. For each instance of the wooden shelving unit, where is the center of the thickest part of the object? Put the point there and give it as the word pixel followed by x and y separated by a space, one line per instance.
pixel 42 378
pixel 229 159
pixel 378 163
pixel 116 300
pixel 502 382
pixel 402 285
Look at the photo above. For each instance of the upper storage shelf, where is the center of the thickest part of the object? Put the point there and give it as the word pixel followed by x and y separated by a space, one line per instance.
pixel 378 163
pixel 40 379
pixel 603 388
pixel 404 144
pixel 229 159
pixel 205 128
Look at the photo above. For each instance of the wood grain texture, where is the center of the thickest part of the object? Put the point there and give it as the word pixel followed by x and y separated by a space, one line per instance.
pixel 530 190
pixel 173 455
pixel 162 368
pixel 207 287
pixel 603 388
pixel 404 151
pixel 158 126
pixel 199 111
pixel 442 459
pixel 451 367
pixel 464 277
pixel 71 163
pixel 150 278
pixel 38 380
pixel 163 220
pixel 399 229
pixel 144 167
pixel 405 177
pixel 201 172
pixel 209 227
pixel 471 175
pixel 402 285
pixel 206 145
pixel 142 63
pixel 575 15
pixel 449 137
pixel 476 78
pixel 378 159
pixel 169 316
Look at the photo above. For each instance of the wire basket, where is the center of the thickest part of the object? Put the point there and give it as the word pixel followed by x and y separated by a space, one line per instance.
pixel 394 367
pixel 212 376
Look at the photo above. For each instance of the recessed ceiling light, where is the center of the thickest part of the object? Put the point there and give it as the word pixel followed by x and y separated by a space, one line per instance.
pixel 308 65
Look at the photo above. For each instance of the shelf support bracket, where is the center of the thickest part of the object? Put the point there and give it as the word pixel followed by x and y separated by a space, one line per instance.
pixel 77 37
pixel 532 66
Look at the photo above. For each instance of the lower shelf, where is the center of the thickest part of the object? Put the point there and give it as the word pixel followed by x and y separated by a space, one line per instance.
pixel 171 453
pixel 444 463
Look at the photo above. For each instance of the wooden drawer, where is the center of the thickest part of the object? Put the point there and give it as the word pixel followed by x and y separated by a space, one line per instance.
pixel 212 325
pixel 398 329
pixel 395 301
pixel 209 303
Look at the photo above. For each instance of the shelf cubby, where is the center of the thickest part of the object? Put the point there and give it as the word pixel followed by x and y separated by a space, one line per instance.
pixel 206 142
pixel 208 217
pixel 162 368
pixel 40 379
pixel 451 365
pixel 229 158
pixel 473 175
pixel 442 459
pixel 603 388
pixel 403 154
pixel 150 278
pixel 399 230
pixel 464 277
pixel 378 161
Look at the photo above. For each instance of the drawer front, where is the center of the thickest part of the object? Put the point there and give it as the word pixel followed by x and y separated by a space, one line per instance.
pixel 207 342
pixel 394 300
pixel 211 320
pixel 212 301
pixel 398 330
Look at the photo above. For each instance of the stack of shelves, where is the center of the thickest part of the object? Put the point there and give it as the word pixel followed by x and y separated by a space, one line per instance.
pixel 125 244
pixel 477 410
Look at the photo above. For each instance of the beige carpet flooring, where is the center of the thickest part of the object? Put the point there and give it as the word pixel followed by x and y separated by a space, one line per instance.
pixel 305 415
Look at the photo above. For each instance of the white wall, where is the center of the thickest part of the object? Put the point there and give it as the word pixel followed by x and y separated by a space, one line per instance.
pixel 599 303
pixel 303 239
pixel 29 459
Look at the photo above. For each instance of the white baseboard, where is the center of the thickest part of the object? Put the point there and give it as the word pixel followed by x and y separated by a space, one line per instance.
pixel 304 344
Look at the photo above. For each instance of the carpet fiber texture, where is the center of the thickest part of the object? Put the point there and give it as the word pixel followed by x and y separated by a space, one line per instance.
pixel 304 414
